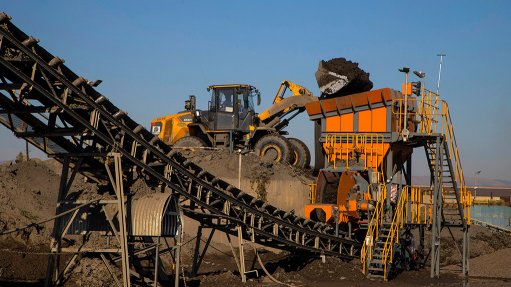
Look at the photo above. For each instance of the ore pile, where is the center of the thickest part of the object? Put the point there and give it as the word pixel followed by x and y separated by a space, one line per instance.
pixel 339 77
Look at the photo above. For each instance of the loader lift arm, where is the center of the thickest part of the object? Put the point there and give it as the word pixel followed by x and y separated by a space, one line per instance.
pixel 274 116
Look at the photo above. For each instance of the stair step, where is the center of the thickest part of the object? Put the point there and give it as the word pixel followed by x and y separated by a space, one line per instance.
pixel 377 275
pixel 375 269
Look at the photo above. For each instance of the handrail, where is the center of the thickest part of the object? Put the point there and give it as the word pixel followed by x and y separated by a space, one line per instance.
pixel 312 193
pixel 346 146
pixel 393 236
pixel 373 229
pixel 412 208
pixel 433 117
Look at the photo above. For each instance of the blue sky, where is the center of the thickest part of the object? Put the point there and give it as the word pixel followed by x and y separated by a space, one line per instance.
pixel 152 54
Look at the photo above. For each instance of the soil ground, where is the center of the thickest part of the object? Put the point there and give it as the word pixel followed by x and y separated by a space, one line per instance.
pixel 28 192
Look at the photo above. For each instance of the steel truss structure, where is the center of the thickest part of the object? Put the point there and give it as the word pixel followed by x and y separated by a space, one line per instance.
pixel 61 113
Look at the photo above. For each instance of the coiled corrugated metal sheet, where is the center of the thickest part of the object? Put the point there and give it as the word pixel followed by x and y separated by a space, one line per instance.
pixel 155 215
pixel 152 215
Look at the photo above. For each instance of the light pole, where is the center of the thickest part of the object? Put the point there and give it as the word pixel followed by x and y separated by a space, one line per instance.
pixel 405 131
pixel 239 169
pixel 441 55
pixel 475 182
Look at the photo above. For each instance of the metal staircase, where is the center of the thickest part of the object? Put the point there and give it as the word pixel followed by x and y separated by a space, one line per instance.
pixel 62 114
pixel 381 261
pixel 445 204
pixel 452 205
pixel 377 266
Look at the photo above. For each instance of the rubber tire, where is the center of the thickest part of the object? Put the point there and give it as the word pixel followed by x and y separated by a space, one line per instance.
pixel 277 143
pixel 189 143
pixel 301 153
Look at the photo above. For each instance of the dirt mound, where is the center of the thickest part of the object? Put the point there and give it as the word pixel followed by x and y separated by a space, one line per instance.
pixel 340 77
pixel 28 192
pixel 226 166
pixel 92 272
pixel 482 241
pixel 495 265
pixel 315 271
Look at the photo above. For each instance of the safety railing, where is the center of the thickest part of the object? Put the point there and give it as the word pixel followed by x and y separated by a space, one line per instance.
pixel 312 193
pixel 432 117
pixel 414 206
pixel 366 253
pixel 459 178
pixel 349 148
pixel 398 221
pixel 420 206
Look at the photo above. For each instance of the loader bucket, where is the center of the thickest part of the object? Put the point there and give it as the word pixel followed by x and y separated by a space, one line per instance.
pixel 339 77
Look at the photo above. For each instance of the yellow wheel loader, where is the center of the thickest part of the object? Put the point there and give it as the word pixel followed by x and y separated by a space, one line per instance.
pixel 230 121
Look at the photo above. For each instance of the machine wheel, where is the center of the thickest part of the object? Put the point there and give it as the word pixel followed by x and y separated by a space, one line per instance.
pixel 301 153
pixel 274 148
pixel 189 143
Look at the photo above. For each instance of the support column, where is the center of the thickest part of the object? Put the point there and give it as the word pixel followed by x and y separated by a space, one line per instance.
pixel 55 242
pixel 437 210
pixel 177 256
pixel 121 207
pixel 198 254
pixel 52 272
pixel 196 257
pixel 242 255
pixel 466 251
pixel 388 177
pixel 421 242
pixel 156 259
pixel 408 180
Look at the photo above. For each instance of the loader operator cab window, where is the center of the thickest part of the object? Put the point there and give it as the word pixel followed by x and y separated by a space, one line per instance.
pixel 244 99
pixel 231 99
pixel 224 98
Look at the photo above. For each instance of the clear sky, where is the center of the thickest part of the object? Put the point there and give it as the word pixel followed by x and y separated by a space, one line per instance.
pixel 152 54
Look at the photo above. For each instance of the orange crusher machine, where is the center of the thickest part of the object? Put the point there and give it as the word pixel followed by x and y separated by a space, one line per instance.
pixel 363 157
pixel 358 151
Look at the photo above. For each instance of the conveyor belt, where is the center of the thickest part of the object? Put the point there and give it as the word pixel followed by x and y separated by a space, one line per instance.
pixel 47 104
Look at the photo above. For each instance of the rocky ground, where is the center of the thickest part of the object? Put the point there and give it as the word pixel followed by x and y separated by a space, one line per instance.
pixel 28 192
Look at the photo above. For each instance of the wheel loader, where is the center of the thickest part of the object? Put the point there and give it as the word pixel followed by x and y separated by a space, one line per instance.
pixel 231 121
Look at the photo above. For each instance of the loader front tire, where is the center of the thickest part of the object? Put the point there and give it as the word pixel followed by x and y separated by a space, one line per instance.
pixel 274 148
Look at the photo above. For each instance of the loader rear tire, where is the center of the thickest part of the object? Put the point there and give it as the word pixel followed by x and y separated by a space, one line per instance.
pixel 301 153
pixel 274 148
pixel 190 143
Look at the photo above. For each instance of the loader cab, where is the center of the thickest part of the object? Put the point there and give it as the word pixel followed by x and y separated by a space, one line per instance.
pixel 232 107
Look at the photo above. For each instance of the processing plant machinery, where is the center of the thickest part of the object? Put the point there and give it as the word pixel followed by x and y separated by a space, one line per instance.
pixel 364 147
